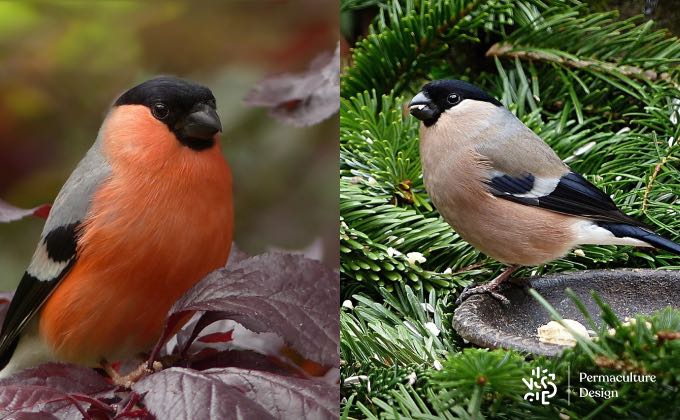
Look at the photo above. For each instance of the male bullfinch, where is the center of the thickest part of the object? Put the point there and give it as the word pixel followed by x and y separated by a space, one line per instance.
pixel 145 215
pixel 504 190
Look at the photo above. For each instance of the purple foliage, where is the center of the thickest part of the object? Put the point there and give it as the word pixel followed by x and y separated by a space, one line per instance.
pixel 266 293
pixel 289 295
pixel 58 389
pixel 283 397
pixel 302 99
pixel 9 213
pixel 178 393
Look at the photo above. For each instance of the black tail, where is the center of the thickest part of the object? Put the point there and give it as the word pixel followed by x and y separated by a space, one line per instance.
pixel 621 230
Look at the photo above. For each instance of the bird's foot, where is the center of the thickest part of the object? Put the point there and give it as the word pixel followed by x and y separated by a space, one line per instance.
pixel 131 378
pixel 489 288
pixel 484 288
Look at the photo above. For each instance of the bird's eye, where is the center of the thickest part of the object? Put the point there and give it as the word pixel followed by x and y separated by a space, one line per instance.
pixel 160 110
pixel 453 99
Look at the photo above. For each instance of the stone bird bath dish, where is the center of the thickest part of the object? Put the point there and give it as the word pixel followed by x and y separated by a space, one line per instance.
pixel 484 321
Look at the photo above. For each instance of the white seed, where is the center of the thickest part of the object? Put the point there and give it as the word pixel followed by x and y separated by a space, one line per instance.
pixel 555 333
pixel 415 257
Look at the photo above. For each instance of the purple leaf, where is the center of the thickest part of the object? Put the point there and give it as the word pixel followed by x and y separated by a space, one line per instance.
pixel 19 400
pixel 60 377
pixel 236 255
pixel 65 391
pixel 292 296
pixel 60 389
pixel 9 213
pixel 284 397
pixel 210 333
pixel 302 99
pixel 178 393
pixel 23 415
pixel 188 334
pixel 244 359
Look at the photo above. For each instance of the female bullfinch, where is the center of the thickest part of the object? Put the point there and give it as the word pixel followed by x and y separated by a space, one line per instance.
pixel 145 215
pixel 504 190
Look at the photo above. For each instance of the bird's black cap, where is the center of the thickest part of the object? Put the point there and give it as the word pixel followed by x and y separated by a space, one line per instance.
pixel 438 96
pixel 173 91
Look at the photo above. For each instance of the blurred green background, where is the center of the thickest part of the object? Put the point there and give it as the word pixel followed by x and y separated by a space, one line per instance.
pixel 63 63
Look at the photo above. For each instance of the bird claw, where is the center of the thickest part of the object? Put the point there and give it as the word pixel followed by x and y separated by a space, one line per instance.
pixel 131 378
pixel 489 287
pixel 485 288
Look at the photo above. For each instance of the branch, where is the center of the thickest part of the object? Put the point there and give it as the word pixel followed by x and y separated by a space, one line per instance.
pixel 504 49
pixel 648 189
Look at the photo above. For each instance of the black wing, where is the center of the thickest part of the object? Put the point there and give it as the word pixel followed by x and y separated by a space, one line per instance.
pixel 53 259
pixel 572 195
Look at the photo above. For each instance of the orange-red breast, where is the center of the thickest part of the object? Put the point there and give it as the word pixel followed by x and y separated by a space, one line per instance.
pixel 145 215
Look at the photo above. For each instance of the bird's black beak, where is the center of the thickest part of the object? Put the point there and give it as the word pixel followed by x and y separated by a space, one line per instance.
pixel 201 124
pixel 422 107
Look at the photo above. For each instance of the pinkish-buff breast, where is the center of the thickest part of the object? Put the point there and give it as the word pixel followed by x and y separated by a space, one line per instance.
pixel 454 175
